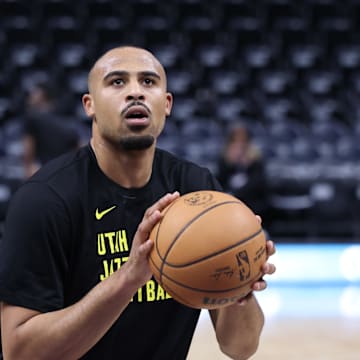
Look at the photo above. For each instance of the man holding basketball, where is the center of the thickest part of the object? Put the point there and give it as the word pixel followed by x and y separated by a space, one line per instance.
pixel 75 281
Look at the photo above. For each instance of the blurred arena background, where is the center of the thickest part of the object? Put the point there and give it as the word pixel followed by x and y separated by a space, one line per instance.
pixel 312 307
pixel 288 69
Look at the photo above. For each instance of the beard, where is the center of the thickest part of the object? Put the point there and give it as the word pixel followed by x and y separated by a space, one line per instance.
pixel 141 142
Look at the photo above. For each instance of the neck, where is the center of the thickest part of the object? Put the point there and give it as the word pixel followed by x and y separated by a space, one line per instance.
pixel 129 169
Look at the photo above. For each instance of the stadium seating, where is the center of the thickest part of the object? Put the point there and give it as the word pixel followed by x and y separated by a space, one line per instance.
pixel 290 70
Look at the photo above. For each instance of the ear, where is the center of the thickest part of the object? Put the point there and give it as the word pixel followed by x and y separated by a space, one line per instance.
pixel 169 103
pixel 88 105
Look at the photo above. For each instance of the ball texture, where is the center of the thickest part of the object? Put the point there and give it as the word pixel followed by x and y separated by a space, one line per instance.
pixel 208 249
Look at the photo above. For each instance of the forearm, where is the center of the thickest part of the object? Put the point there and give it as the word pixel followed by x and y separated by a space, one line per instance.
pixel 238 328
pixel 69 333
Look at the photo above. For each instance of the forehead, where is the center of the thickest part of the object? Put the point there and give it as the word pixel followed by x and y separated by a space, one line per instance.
pixel 128 60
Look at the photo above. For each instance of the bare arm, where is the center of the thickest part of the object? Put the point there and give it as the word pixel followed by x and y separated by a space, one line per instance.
pixel 70 332
pixel 238 327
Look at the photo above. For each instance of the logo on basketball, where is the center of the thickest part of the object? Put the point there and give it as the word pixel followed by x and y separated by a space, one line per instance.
pixel 199 198
pixel 221 301
pixel 244 265
pixel 226 272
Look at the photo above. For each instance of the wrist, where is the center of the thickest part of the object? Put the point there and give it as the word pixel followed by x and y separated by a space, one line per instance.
pixel 244 300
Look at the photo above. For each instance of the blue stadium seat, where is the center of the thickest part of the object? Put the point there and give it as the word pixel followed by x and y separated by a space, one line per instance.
pixel 259 55
pixel 72 55
pixel 169 53
pixel 212 55
pixel 304 55
pixel 322 81
pixel 232 108
pixel 180 82
pixel 184 108
pixel 276 81
pixel 347 56
pixel 228 82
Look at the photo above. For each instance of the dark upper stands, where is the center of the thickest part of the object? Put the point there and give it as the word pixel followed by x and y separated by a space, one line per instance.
pixel 289 69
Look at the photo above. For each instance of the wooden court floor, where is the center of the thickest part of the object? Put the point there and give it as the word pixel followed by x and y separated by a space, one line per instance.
pixel 311 312
pixel 293 338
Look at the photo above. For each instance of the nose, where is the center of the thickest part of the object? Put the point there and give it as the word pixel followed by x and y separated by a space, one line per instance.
pixel 135 92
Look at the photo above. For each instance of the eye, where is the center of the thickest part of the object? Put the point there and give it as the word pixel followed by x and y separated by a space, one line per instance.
pixel 149 81
pixel 117 82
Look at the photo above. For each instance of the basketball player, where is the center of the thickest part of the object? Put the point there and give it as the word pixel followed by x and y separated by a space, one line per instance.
pixel 74 275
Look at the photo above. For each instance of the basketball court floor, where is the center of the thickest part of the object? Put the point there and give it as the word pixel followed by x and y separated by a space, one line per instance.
pixel 312 307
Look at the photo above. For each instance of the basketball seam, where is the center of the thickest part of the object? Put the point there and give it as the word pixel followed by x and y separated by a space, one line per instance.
pixel 202 290
pixel 181 231
pixel 164 262
pixel 215 253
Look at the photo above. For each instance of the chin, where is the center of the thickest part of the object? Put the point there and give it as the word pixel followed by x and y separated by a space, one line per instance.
pixel 141 142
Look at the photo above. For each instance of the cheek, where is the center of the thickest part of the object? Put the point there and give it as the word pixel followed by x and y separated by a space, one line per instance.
pixel 162 108
pixel 107 108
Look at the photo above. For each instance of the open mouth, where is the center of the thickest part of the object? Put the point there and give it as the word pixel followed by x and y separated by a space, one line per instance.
pixel 137 116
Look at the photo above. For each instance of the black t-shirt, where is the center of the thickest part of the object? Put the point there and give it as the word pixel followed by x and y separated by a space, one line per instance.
pixel 69 227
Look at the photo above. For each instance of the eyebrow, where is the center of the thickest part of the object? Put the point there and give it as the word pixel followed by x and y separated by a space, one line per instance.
pixel 125 73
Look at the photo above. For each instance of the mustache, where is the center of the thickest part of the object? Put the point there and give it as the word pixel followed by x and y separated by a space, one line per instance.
pixel 135 103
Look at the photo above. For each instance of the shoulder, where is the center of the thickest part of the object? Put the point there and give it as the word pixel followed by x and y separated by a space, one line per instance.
pixel 54 195
pixel 171 163
pixel 186 175
pixel 61 177
pixel 70 163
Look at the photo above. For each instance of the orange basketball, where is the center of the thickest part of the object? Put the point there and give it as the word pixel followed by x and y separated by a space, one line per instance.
pixel 208 249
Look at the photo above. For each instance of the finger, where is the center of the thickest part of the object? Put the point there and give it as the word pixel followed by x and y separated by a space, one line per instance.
pixel 268 268
pixel 259 285
pixel 145 248
pixel 148 223
pixel 270 248
pixel 162 203
pixel 152 216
